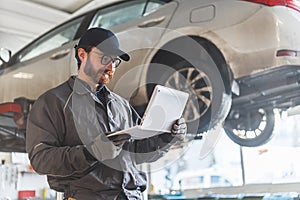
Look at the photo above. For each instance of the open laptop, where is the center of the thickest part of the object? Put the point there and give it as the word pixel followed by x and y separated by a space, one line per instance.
pixel 166 105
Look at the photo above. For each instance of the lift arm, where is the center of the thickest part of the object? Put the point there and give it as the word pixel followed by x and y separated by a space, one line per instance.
pixel 13 117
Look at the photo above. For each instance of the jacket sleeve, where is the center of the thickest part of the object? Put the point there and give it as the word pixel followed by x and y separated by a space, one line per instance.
pixel 44 136
pixel 152 149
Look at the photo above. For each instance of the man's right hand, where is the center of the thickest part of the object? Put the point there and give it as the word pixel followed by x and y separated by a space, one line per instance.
pixel 119 140
pixel 104 147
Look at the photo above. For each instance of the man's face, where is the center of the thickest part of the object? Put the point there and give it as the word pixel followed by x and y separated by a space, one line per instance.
pixel 98 72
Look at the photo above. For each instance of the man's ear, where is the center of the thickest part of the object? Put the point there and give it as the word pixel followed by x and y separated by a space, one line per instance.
pixel 81 54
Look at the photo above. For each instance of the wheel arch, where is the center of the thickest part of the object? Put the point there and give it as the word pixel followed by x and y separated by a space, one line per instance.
pixel 169 58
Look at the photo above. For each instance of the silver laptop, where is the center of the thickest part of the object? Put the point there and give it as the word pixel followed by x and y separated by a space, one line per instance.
pixel 166 105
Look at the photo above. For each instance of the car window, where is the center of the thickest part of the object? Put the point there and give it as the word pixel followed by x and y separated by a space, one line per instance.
pixel 124 12
pixel 154 5
pixel 52 40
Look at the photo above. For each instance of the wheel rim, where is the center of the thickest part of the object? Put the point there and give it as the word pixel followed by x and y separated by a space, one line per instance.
pixel 243 128
pixel 199 87
pixel 251 132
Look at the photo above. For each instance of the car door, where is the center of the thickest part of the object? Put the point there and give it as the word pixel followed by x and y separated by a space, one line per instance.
pixel 139 25
pixel 41 65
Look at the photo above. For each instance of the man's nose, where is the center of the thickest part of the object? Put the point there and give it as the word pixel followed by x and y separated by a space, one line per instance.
pixel 110 67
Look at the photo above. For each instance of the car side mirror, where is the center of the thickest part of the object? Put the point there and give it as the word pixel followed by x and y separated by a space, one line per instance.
pixel 5 55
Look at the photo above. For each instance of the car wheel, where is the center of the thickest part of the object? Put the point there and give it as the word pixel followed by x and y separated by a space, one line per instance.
pixel 208 102
pixel 250 128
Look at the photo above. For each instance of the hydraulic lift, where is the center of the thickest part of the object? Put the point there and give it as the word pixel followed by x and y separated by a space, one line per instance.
pixel 13 117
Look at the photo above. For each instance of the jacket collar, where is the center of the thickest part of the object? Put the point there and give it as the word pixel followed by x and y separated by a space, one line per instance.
pixel 81 87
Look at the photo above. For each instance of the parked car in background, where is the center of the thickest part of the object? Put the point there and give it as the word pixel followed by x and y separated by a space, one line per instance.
pixel 202 178
pixel 238 56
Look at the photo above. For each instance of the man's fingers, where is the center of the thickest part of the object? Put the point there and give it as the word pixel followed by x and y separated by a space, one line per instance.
pixel 118 143
pixel 179 126
pixel 179 129
pixel 180 121
pixel 123 137
pixel 119 139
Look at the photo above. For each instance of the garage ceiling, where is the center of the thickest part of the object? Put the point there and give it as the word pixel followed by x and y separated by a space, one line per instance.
pixel 23 20
pixel 68 6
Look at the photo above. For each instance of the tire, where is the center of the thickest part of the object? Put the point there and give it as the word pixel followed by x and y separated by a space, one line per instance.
pixel 208 103
pixel 250 128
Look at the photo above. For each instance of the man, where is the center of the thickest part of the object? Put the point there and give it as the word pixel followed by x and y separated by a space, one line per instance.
pixel 67 128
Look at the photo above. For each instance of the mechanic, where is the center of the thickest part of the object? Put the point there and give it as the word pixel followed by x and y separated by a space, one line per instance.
pixel 68 125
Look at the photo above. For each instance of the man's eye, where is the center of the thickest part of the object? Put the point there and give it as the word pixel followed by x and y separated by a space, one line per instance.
pixel 106 60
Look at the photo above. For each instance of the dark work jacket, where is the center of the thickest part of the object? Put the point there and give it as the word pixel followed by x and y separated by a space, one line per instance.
pixel 61 126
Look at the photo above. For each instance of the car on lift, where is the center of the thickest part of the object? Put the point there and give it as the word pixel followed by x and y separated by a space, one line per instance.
pixel 238 59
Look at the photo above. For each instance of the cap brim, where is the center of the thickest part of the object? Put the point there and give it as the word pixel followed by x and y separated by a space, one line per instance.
pixel 124 56
pixel 118 52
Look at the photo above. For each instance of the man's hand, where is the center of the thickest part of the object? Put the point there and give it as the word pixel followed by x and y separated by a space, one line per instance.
pixel 119 140
pixel 179 129
pixel 104 148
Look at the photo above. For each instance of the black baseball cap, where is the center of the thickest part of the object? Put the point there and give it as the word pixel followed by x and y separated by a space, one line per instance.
pixel 104 40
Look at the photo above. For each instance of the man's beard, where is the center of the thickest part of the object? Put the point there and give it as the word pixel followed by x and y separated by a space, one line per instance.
pixel 106 76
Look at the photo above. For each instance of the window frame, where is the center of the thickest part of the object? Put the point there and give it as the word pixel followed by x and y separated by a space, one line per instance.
pixel 87 19
pixel 16 57
pixel 144 4
pixel 38 43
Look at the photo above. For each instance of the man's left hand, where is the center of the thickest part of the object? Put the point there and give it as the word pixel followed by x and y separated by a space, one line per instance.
pixel 179 129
